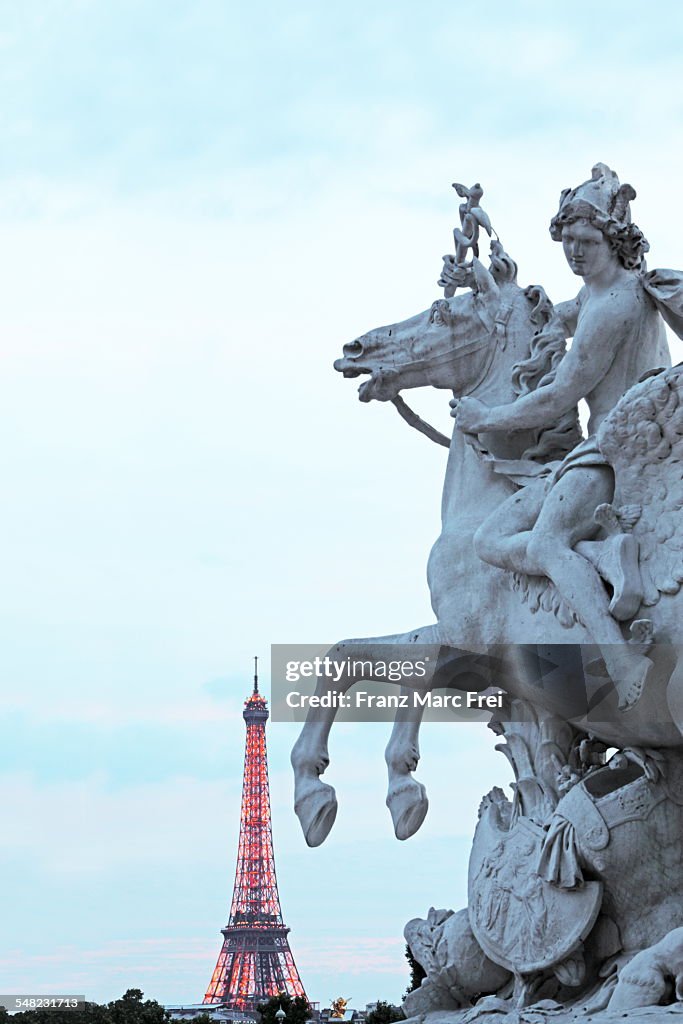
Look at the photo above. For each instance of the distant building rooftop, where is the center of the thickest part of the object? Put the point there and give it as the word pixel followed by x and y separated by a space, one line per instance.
pixel 217 1012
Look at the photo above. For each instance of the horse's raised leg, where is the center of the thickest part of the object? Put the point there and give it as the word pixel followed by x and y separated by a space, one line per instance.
pixel 315 802
pixel 406 797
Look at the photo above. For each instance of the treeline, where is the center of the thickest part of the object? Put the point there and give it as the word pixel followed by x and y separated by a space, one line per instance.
pixel 130 1009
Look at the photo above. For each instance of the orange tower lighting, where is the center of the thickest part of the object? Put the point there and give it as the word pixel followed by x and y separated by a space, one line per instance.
pixel 255 962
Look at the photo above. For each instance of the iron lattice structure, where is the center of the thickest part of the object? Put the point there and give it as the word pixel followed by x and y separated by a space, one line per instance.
pixel 255 962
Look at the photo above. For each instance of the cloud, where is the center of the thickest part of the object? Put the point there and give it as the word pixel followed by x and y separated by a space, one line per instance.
pixel 104 971
pixel 359 956
pixel 199 207
pixel 139 101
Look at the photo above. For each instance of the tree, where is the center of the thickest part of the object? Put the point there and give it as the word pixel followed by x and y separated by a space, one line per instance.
pixel 385 1013
pixel 297 1010
pixel 131 1009
pixel 91 1013
pixel 417 971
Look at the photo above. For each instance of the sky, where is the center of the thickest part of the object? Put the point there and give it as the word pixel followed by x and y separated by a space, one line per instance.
pixel 200 203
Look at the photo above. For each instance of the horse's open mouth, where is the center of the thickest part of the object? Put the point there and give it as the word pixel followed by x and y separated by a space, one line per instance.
pixel 364 390
pixel 377 387
pixel 349 367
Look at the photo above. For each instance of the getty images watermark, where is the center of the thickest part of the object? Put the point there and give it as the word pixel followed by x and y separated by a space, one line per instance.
pixel 371 684
pixel 366 682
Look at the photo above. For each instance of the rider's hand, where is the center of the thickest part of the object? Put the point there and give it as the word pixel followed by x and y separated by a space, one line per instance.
pixel 453 275
pixel 470 414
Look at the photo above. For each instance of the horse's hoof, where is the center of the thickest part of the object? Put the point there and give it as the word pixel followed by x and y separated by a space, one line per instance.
pixel 316 810
pixel 407 801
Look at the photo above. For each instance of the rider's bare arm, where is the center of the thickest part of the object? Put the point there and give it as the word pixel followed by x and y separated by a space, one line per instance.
pixel 606 325
pixel 568 313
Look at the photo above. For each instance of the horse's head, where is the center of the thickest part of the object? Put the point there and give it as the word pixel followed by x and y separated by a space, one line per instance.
pixel 450 345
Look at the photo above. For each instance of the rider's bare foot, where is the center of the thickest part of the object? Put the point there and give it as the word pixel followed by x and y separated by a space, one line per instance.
pixel 616 559
pixel 629 666
pixel 631 685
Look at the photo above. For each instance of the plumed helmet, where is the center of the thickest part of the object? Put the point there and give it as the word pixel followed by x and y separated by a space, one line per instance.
pixel 604 202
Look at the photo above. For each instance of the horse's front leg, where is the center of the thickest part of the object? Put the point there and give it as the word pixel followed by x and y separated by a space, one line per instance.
pixel 406 797
pixel 315 802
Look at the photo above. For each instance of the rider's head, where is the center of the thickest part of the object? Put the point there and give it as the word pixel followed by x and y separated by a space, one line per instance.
pixel 604 203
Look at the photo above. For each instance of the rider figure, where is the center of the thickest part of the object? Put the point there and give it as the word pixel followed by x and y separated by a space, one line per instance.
pixel 548 528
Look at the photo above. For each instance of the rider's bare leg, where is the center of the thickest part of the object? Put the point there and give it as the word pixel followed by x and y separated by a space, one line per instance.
pixel 503 537
pixel 566 518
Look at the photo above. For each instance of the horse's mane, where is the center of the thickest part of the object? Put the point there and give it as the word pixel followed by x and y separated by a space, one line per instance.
pixel 548 346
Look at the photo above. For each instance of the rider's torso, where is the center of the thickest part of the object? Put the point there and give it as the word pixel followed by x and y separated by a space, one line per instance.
pixel 644 347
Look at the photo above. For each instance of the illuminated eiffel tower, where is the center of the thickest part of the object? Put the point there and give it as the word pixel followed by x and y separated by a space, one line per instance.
pixel 255 962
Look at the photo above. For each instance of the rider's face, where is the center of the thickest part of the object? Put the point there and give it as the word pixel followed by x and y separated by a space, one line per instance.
pixel 587 250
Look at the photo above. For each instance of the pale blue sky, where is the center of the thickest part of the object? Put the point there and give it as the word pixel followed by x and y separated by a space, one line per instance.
pixel 200 202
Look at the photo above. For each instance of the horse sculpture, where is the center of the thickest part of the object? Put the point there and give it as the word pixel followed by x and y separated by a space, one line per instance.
pixel 496 339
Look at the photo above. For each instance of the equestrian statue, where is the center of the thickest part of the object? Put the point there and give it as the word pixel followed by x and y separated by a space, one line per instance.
pixel 556 579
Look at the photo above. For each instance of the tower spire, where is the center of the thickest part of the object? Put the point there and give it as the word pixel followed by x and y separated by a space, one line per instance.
pixel 255 961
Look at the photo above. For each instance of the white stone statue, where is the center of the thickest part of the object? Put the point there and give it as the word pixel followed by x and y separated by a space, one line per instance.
pixel 618 336
pixel 547 540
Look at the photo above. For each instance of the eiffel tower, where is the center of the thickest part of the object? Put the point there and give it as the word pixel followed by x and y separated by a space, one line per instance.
pixel 255 962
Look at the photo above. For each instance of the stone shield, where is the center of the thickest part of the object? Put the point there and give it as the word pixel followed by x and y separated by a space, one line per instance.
pixel 521 921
